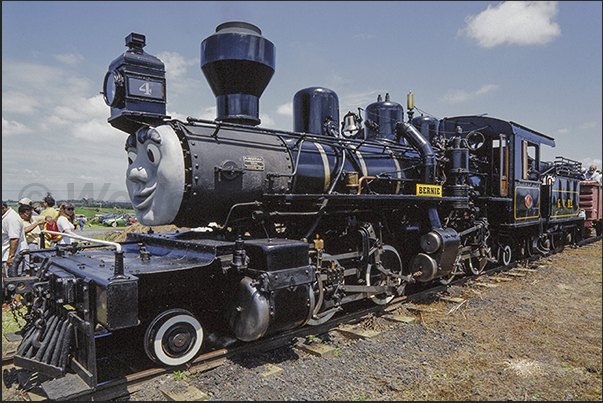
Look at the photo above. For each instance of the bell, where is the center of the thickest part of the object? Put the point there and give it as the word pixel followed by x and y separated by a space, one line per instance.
pixel 349 125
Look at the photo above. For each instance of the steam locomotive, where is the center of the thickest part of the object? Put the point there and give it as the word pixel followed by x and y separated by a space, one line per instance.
pixel 285 228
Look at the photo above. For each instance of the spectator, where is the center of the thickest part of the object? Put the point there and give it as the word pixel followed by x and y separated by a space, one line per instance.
pixel 31 227
pixel 13 236
pixel 81 222
pixel 37 208
pixel 592 174
pixel 49 209
pixel 26 201
pixel 65 222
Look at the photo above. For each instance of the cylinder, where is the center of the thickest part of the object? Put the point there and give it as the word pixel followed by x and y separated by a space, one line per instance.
pixel 316 111
pixel 431 242
pixel 428 126
pixel 424 267
pixel 384 115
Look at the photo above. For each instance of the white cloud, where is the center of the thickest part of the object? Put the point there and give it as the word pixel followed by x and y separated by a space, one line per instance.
pixel 175 115
pixel 96 131
pixel 514 23
pixel 82 118
pixel 22 84
pixel 21 76
pixel 458 96
pixel 12 128
pixel 176 65
pixel 586 162
pixel 181 84
pixel 17 102
pixel 70 58
pixel 364 36
pixel 351 101
pixel 83 109
pixel 266 120
pixel 286 109
pixel 588 125
pixel 209 113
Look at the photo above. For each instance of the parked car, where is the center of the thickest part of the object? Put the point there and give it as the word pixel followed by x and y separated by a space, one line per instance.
pixel 100 218
pixel 130 219
pixel 117 221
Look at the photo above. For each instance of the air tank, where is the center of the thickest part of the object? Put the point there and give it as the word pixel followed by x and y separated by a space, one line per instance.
pixel 316 110
pixel 238 63
pixel 428 126
pixel 380 119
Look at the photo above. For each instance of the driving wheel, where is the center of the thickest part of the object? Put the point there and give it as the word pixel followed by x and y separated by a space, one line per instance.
pixel 390 259
pixel 504 255
pixel 458 269
pixel 531 249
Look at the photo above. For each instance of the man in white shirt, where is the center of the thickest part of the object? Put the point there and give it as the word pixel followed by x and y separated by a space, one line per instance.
pixel 592 174
pixel 13 236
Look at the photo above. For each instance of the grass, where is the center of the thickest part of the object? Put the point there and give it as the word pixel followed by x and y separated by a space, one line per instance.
pixel 180 375
pixel 9 324
pixel 87 211
pixel 91 212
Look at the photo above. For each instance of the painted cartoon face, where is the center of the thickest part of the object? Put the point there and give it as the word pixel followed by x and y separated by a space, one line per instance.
pixel 155 174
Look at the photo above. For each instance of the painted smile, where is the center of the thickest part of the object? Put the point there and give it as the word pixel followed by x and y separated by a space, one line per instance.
pixel 143 199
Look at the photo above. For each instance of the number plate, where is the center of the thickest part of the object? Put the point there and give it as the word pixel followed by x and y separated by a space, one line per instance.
pixel 145 88
pixel 429 190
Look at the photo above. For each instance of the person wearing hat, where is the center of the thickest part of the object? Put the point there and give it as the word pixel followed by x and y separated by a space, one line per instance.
pixel 25 201
pixel 13 236
pixel 31 226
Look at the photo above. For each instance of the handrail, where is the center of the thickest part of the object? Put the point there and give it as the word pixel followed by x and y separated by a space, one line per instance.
pixel 360 182
pixel 83 238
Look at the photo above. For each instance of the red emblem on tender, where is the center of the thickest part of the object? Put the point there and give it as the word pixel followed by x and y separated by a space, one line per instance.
pixel 528 201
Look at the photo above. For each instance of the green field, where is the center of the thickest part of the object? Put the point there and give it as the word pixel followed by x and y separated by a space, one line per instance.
pixel 88 211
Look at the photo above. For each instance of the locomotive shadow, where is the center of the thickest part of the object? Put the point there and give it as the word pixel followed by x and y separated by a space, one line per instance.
pixel 251 360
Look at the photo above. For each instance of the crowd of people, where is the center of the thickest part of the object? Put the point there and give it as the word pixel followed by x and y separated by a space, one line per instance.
pixel 21 229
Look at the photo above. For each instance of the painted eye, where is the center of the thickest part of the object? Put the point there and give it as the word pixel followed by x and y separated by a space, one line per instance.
pixel 153 153
pixel 131 157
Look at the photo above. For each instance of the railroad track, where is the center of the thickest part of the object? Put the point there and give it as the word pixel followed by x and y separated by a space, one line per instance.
pixel 130 383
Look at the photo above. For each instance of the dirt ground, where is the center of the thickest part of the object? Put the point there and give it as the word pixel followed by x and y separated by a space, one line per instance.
pixel 536 336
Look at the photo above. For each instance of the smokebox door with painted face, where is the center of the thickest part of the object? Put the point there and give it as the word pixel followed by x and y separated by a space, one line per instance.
pixel 155 174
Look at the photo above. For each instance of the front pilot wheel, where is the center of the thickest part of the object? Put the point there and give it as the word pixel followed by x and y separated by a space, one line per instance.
pixel 173 338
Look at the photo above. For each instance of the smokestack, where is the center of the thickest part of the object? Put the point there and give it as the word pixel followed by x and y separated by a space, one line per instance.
pixel 238 63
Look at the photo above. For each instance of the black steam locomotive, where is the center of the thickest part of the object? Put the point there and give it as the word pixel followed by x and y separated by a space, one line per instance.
pixel 284 228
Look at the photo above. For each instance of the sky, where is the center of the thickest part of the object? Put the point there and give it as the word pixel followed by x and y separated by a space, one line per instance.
pixel 535 63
